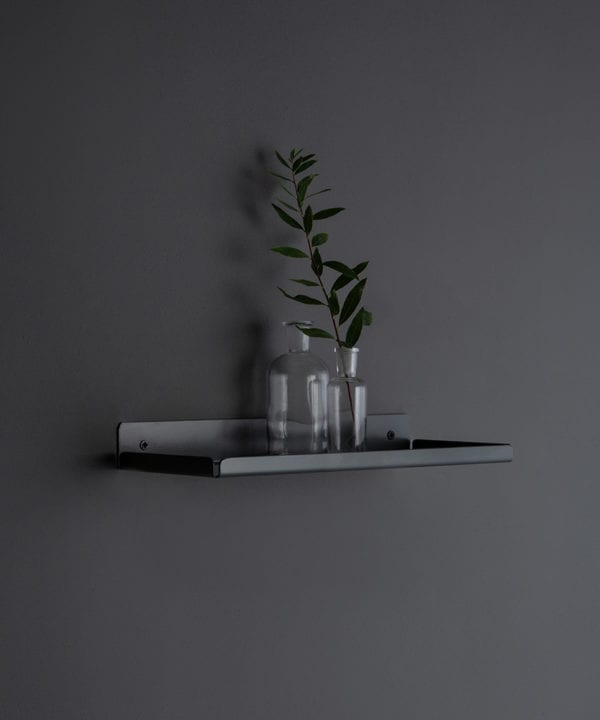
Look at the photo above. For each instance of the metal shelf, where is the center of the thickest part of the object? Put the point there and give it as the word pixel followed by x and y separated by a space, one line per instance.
pixel 226 448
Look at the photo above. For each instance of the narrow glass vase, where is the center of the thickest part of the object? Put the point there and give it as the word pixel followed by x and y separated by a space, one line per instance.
pixel 297 397
pixel 347 404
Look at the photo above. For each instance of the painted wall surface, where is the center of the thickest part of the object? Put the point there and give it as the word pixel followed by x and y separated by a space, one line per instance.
pixel 136 283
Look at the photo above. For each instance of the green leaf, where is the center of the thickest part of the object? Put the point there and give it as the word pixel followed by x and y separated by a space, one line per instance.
pixel 289 192
pixel 320 239
pixel 286 218
pixel 320 192
pixel 305 165
pixel 317 263
pixel 308 220
pixel 303 186
pixel 281 177
pixel 299 161
pixel 329 212
pixel 354 329
pixel 306 299
pixel 352 300
pixel 290 252
pixel 282 161
pixel 308 283
pixel 334 303
pixel 287 205
pixel 342 269
pixel 316 332
pixel 343 280
pixel 367 317
pixel 302 159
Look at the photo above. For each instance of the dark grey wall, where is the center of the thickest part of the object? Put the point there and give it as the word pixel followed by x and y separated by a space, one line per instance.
pixel 136 284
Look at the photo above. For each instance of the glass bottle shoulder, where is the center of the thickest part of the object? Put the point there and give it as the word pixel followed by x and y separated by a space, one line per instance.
pixel 298 362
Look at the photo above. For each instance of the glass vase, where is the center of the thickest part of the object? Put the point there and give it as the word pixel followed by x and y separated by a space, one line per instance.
pixel 297 397
pixel 347 404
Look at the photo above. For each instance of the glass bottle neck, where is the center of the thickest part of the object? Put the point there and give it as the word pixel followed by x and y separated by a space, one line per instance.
pixel 346 361
pixel 297 341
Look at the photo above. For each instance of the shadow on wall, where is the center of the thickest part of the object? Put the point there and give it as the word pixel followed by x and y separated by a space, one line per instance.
pixel 252 281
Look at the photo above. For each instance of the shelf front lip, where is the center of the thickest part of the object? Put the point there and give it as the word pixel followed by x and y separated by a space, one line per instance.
pixel 447 454
pixel 464 454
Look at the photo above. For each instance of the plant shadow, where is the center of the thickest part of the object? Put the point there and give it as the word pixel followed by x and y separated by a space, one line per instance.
pixel 251 289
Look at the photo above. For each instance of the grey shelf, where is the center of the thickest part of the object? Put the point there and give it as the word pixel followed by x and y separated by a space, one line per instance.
pixel 227 448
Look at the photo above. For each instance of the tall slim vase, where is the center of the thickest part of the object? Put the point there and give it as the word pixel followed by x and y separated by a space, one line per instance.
pixel 347 404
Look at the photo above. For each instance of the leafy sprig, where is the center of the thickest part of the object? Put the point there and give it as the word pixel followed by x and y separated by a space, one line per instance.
pixel 296 183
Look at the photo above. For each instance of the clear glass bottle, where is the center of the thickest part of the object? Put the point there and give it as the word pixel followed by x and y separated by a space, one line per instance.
pixel 347 404
pixel 297 397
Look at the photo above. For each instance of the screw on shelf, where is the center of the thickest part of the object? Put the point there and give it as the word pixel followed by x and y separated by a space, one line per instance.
pixel 391 435
pixel 143 444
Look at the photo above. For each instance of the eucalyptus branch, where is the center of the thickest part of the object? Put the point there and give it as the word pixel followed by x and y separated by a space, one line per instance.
pixel 296 184
pixel 316 262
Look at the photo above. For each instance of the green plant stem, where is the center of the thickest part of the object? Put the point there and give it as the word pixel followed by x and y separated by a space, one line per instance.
pixel 325 293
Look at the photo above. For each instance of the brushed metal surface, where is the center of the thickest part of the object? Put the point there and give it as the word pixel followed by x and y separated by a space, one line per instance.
pixel 225 448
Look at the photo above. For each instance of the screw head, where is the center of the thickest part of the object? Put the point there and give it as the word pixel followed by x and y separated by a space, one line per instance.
pixel 390 435
pixel 143 444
